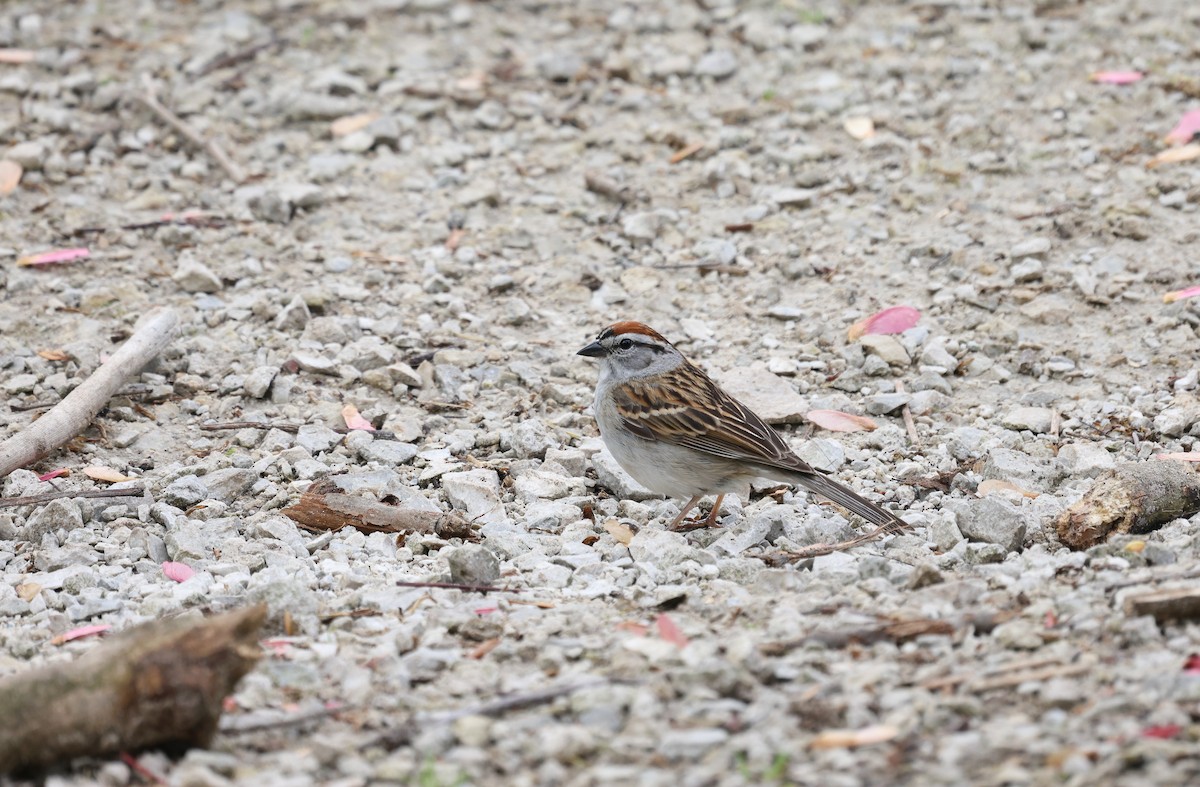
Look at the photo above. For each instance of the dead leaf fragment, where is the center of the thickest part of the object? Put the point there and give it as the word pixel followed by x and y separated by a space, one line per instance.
pixel 1175 156
pixel 54 355
pixel 837 421
pixel 80 633
pixel 27 591
pixel 10 176
pixel 348 124
pixel 859 127
pixel 993 486
pixel 1180 456
pixel 847 739
pixel 1179 295
pixel 50 257
pixel 687 152
pixel 670 632
pixel 102 473
pixel 621 532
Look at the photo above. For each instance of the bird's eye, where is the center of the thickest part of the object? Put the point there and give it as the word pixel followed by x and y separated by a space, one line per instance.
pixel 625 344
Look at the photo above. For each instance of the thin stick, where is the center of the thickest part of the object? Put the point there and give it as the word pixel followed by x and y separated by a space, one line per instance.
pixel 183 129
pixel 72 415
pixel 256 722
pixel 457 586
pixel 909 424
pixel 36 500
pixel 378 434
pixel 513 702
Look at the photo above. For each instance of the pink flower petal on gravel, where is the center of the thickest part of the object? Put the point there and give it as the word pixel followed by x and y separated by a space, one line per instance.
pixel 895 319
pixel 354 420
pixel 670 632
pixel 80 633
pixel 837 421
pixel 50 257
pixel 180 572
pixel 1179 295
pixel 54 474
pixel 1183 456
pixel 1117 77
pixel 1187 127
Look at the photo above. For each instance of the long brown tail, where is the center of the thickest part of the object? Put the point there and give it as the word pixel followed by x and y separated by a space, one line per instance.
pixel 849 499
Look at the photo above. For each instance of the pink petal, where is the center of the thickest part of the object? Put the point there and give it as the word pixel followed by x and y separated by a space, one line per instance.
pixel 1164 731
pixel 180 572
pixel 54 474
pixel 1117 77
pixel 16 57
pixel 1182 456
pixel 1179 295
pixel 670 632
pixel 1188 127
pixel 80 633
pixel 837 421
pixel 895 319
pixel 49 257
pixel 1192 665
pixel 354 420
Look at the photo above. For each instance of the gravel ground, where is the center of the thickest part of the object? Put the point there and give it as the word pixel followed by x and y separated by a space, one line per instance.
pixel 438 262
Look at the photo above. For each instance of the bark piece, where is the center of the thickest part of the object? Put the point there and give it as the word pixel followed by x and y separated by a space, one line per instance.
pixel 1133 498
pixel 158 684
pixel 324 506
pixel 1173 604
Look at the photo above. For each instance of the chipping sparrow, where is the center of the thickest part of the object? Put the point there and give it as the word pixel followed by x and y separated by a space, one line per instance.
pixel 677 433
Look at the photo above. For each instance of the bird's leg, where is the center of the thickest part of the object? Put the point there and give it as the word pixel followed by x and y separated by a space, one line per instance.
pixel 688 506
pixel 712 515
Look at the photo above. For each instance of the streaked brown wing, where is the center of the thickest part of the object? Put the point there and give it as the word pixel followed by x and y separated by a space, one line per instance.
pixel 686 408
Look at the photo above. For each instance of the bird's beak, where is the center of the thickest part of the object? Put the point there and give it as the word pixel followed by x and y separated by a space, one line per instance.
pixel 593 350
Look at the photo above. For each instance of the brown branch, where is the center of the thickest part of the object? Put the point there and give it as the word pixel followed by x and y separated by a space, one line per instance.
pixel 891 631
pixel 151 102
pixel 1134 498
pixel 158 684
pixel 324 506
pixel 36 500
pixel 72 415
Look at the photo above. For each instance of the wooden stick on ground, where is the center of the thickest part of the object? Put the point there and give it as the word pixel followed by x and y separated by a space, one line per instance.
pixel 37 500
pixel 72 415
pixel 151 102
pixel 159 684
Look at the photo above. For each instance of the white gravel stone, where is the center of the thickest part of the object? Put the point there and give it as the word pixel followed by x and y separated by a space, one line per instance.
pixel 477 492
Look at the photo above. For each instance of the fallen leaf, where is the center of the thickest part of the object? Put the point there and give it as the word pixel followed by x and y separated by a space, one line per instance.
pixel 180 572
pixel 620 532
pixel 484 648
pixel 50 257
pixel 102 473
pixel 1164 731
pixel 1175 156
pixel 80 633
pixel 1135 547
pixel 16 57
pixel 354 420
pixel 1178 295
pixel 10 176
pixel 670 632
pixel 27 591
pixel 54 355
pixel 894 319
pixel 62 471
pixel 860 127
pixel 1187 127
pixel 1116 77
pixel 351 123
pixel 687 152
pixel 846 739
pixel 632 627
pixel 1183 456
pixel 837 421
pixel 993 485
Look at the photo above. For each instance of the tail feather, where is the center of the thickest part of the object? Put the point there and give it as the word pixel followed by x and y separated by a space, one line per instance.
pixel 847 498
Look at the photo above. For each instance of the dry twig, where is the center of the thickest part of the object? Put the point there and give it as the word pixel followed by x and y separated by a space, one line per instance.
pixel 151 102
pixel 72 415
pixel 37 500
